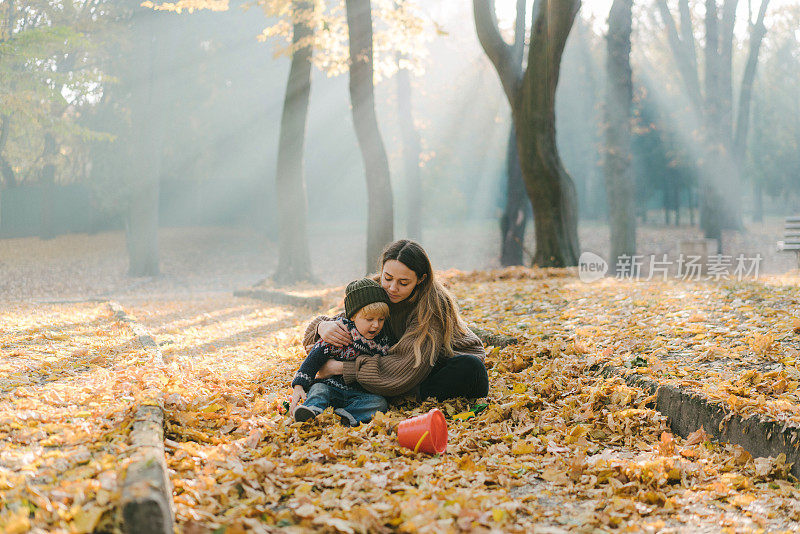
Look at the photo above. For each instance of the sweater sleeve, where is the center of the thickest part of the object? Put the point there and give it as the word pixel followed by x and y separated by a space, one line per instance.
pixel 308 369
pixel 395 373
pixel 469 343
pixel 310 337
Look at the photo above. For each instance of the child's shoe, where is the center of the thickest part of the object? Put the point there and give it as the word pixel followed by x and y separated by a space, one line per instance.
pixel 345 417
pixel 304 413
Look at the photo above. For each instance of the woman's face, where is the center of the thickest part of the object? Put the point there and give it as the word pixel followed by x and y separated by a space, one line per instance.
pixel 398 280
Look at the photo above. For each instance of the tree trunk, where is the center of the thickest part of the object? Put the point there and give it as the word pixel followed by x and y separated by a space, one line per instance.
pixel 711 216
pixel 758 202
pixel 147 132
pixel 664 205
pixel 620 186
pixel 515 214
pixel 725 72
pixel 294 261
pixel 591 159
pixel 7 176
pixel 143 229
pixel 411 154
pixel 380 211
pixel 712 73
pixel 550 188
pixel 47 183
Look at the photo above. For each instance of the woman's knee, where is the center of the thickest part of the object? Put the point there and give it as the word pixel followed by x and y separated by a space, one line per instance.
pixel 473 367
pixel 481 378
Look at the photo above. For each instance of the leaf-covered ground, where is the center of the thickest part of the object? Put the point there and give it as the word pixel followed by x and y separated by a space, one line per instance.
pixel 70 376
pixel 559 448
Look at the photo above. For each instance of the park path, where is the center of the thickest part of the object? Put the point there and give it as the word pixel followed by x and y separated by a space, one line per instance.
pixel 560 448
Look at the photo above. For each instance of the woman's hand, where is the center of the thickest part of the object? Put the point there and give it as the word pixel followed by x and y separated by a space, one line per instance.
pixel 331 368
pixel 334 333
pixel 298 395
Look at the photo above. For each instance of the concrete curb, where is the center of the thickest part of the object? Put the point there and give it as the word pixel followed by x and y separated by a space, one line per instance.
pixel 689 411
pixel 146 502
pixel 141 333
pixel 146 490
pixel 279 297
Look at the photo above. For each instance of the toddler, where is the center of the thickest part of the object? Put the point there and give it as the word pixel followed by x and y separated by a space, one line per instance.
pixel 366 308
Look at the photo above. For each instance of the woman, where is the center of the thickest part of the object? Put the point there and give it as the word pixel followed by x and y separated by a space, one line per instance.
pixel 437 355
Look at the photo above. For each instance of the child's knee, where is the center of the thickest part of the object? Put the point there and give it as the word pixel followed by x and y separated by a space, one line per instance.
pixel 318 389
pixel 319 393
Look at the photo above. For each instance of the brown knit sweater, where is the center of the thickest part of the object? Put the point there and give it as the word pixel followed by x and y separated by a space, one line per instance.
pixel 396 373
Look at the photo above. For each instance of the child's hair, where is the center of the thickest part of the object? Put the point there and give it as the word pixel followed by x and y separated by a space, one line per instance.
pixel 380 309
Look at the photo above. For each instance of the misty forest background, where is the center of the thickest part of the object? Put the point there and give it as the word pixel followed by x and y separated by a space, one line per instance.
pixel 118 118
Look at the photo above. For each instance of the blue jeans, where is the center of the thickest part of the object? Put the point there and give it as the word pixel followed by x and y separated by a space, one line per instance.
pixel 353 406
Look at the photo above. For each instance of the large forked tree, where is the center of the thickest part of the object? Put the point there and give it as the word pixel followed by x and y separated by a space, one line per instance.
pixel 380 211
pixel 532 96
pixel 712 101
pixel 294 262
pixel 620 186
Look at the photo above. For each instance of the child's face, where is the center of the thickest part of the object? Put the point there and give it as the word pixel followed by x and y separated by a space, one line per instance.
pixel 368 324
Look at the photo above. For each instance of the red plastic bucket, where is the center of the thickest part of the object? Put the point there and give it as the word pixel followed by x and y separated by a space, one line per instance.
pixel 426 432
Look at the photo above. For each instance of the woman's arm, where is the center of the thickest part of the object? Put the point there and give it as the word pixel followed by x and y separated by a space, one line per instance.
pixel 469 343
pixel 330 329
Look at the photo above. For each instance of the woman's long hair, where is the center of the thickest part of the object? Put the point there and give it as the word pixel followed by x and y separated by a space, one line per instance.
pixel 436 308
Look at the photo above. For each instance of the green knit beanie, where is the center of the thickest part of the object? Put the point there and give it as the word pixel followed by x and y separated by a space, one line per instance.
pixel 359 293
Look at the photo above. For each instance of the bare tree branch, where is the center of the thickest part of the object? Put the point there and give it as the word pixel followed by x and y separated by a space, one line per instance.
pixel 687 33
pixel 550 29
pixel 687 66
pixel 519 35
pixel 757 32
pixel 712 67
pixel 497 50
pixel 726 63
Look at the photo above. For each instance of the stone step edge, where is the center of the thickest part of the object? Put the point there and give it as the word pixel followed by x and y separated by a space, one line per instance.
pixel 687 412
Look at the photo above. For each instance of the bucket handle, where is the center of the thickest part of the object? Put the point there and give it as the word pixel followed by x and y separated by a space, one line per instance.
pixel 421 440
